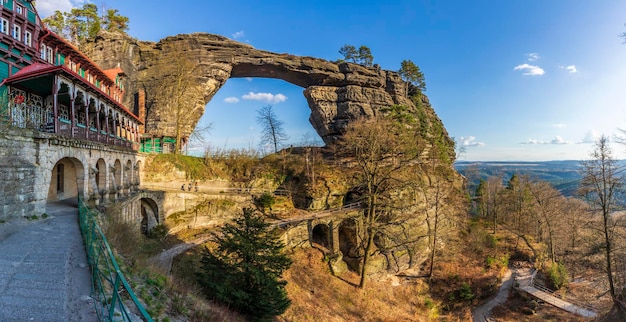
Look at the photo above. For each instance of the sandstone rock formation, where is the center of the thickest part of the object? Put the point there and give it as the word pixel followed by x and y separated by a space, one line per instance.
pixel 336 93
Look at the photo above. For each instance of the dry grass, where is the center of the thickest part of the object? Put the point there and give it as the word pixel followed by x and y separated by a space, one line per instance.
pixel 166 298
pixel 316 295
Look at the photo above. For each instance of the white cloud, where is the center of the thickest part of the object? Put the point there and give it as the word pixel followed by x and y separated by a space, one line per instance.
pixel 46 8
pixel 238 34
pixel 470 141
pixel 265 97
pixel 557 140
pixel 533 56
pixel 533 141
pixel 590 137
pixel 559 125
pixel 231 100
pixel 570 68
pixel 530 70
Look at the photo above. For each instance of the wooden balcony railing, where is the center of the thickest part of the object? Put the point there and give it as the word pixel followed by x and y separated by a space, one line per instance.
pixel 35 117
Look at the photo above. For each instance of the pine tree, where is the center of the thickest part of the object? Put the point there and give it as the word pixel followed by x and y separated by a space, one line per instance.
pixel 245 269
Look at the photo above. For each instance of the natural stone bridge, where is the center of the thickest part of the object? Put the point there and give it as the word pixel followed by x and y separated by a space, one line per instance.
pixel 336 92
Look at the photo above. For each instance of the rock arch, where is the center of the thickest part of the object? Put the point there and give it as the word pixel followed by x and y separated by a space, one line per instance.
pixel 349 243
pixel 336 93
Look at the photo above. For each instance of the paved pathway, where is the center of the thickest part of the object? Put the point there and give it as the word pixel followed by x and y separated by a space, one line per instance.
pixel 44 274
pixel 164 260
pixel 482 313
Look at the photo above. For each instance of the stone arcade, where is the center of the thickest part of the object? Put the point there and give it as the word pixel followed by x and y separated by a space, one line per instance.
pixel 64 132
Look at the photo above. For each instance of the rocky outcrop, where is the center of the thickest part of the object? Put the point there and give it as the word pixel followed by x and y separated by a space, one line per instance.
pixel 336 93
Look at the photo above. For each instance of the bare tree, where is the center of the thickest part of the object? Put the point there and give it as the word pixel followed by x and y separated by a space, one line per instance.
pixel 384 157
pixel 178 90
pixel 272 128
pixel 602 185
pixel 549 207
pixel 438 194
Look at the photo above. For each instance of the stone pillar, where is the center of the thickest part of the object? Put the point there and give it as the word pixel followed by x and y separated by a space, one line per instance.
pixel 334 237
pixel 309 228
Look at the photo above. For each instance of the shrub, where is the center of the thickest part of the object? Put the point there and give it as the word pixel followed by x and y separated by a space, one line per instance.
pixel 465 292
pixel 557 275
pixel 159 231
pixel 266 200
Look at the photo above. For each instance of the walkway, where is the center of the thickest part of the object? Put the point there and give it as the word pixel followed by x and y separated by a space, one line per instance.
pixel 44 275
pixel 163 261
pixel 482 313
pixel 317 214
pixel 526 284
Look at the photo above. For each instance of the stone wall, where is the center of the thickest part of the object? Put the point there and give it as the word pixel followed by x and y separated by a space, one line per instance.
pixel 27 160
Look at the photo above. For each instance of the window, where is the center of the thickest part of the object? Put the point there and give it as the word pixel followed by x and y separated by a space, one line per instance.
pixel 17 31
pixel 4 26
pixel 28 38
pixel 49 55
pixel 19 10
pixel 43 52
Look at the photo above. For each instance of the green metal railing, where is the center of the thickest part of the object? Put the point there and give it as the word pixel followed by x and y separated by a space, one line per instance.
pixel 109 285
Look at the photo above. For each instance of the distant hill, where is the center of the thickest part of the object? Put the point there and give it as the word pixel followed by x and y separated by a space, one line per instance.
pixel 563 175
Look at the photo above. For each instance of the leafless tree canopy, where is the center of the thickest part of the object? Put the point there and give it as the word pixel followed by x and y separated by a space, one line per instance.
pixel 272 131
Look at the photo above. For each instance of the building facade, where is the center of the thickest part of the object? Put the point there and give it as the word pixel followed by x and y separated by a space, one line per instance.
pixel 48 85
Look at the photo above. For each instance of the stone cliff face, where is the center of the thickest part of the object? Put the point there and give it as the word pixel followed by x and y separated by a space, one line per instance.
pixel 336 93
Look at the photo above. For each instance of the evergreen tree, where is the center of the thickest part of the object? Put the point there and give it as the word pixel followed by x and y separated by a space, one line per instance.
pixel 412 75
pixel 349 53
pixel 362 56
pixel 481 198
pixel 245 269
pixel 365 56
pixel 82 24
pixel 114 22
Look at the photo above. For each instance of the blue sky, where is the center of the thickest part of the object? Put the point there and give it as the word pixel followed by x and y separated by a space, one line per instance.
pixel 511 80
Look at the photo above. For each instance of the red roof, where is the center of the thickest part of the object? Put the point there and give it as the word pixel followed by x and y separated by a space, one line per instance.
pixel 84 57
pixel 34 69
pixel 113 72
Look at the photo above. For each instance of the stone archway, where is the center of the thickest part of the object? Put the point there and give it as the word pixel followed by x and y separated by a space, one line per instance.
pixel 349 244
pixel 101 176
pixel 117 175
pixel 137 173
pixel 321 235
pixel 66 181
pixel 149 215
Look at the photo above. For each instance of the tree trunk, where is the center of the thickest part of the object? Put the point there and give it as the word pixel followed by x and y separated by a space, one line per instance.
pixel 366 257
pixel 609 269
